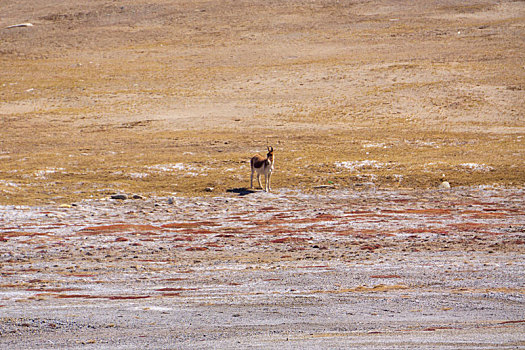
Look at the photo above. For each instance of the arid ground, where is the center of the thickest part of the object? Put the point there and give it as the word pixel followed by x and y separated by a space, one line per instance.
pixel 366 103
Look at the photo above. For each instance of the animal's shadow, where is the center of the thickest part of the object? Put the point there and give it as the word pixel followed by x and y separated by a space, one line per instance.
pixel 243 191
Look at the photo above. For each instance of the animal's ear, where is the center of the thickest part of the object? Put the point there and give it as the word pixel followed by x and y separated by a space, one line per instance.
pixel 270 149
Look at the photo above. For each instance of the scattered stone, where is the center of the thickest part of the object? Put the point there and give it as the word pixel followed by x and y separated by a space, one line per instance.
pixel 119 196
pixel 444 183
pixel 137 196
pixel 209 189
pixel 20 25
pixel 365 185
pixel 331 187
pixel 171 200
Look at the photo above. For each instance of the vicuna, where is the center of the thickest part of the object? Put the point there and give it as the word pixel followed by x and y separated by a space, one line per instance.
pixel 262 166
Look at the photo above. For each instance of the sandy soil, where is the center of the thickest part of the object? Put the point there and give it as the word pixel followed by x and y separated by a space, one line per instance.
pixel 366 103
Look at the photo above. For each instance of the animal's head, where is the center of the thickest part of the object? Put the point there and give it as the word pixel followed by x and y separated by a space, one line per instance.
pixel 270 153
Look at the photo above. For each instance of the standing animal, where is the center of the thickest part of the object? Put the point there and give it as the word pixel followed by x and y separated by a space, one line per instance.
pixel 262 166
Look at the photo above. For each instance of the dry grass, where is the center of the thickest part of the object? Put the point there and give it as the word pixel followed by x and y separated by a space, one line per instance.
pixel 162 163
pixel 95 99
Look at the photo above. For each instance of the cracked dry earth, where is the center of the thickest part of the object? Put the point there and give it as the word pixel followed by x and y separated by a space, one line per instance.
pixel 373 269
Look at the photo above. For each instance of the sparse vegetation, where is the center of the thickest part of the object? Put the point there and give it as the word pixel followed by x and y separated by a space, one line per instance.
pixel 378 112
pixel 102 93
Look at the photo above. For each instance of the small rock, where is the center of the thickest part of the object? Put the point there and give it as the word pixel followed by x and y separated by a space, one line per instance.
pixel 119 196
pixel 171 200
pixel 209 189
pixel 365 185
pixel 20 25
pixel 444 184
pixel 65 206
pixel 137 196
pixel 325 187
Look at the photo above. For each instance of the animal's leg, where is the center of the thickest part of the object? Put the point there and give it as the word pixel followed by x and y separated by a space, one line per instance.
pixel 251 179
pixel 268 181
pixel 259 180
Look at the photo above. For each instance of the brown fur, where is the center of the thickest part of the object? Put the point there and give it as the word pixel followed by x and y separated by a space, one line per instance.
pixel 258 161
pixel 262 166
